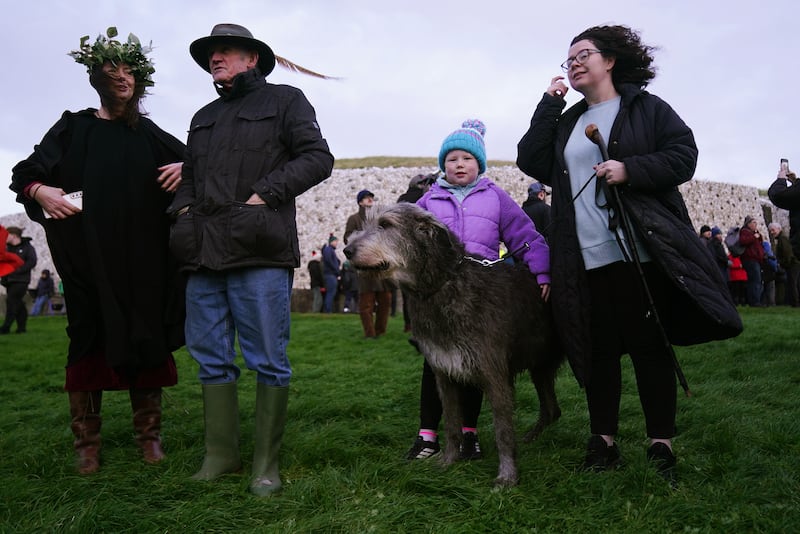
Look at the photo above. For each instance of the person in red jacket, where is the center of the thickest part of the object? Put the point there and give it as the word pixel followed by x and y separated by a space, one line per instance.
pixel 9 262
pixel 737 280
pixel 752 258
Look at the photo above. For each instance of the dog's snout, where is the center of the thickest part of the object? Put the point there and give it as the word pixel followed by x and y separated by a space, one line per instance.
pixel 348 251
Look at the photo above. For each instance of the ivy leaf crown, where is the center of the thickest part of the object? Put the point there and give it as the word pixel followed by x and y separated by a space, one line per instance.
pixel 132 53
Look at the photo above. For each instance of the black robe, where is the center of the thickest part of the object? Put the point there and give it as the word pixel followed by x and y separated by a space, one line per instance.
pixel 123 293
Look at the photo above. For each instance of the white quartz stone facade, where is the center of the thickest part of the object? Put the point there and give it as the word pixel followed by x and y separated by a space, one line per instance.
pixel 324 209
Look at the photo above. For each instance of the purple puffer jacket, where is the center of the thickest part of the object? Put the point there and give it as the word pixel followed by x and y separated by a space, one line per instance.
pixel 487 216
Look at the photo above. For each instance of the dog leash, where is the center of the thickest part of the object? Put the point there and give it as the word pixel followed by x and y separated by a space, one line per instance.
pixel 621 218
pixel 489 263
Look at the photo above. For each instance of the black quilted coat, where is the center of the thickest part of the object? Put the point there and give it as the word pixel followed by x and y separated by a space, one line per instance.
pixel 659 153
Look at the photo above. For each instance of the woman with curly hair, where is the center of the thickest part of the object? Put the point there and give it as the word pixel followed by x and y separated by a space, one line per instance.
pixel 99 183
pixel 600 301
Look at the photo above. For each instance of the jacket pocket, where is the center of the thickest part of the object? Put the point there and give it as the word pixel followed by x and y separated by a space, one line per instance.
pixel 257 231
pixel 183 242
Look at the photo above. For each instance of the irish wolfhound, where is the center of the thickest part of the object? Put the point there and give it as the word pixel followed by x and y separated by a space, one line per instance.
pixel 475 323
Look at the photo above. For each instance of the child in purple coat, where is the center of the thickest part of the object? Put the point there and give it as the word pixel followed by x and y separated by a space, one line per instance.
pixel 482 215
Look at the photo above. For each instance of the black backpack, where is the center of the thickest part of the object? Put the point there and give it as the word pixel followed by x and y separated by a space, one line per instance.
pixel 732 242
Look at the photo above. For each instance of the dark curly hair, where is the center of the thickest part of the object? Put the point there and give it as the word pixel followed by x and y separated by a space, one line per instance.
pixel 633 59
pixel 131 111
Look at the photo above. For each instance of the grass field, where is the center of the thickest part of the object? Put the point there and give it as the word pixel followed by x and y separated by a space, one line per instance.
pixel 353 414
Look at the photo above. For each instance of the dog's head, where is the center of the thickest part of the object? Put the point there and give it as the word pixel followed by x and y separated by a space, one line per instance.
pixel 405 243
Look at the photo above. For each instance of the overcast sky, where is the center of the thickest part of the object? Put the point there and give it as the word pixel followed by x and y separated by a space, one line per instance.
pixel 413 70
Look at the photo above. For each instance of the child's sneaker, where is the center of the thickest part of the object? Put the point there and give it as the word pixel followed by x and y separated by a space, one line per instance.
pixel 422 449
pixel 469 449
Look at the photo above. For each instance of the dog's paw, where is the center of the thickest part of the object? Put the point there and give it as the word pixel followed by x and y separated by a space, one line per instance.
pixel 503 482
pixel 536 430
pixel 532 434
pixel 449 459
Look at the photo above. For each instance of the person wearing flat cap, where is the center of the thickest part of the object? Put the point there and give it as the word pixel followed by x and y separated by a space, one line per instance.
pixel 374 296
pixel 417 186
pixel 250 153
pixel 537 209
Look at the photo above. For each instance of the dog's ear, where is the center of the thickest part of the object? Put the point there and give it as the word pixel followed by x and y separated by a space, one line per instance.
pixel 439 236
pixel 443 237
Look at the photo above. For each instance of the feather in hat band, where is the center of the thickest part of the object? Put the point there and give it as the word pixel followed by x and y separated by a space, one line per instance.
pixel 237 35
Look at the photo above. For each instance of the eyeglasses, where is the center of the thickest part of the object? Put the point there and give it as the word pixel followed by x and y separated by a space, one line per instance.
pixel 581 57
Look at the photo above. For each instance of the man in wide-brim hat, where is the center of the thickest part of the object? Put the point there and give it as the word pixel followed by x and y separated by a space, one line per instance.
pixel 250 152
pixel 235 36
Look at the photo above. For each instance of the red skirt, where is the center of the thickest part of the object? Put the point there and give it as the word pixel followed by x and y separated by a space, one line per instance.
pixel 92 373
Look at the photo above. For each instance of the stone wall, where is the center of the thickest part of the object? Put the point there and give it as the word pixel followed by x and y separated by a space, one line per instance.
pixel 324 209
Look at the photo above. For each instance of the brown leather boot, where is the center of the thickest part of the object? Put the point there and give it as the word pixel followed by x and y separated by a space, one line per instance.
pixel 383 300
pixel 146 405
pixel 366 305
pixel 84 408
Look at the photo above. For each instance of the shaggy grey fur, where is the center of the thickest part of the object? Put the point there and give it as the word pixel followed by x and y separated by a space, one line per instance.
pixel 474 323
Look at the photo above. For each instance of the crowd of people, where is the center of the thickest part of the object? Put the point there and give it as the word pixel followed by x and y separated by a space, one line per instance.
pixel 761 270
pixel 216 219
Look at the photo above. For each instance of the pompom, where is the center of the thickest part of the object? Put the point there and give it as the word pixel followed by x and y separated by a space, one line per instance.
pixel 475 124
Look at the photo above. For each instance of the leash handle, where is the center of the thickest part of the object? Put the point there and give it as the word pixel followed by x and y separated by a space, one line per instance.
pixel 489 263
pixel 594 135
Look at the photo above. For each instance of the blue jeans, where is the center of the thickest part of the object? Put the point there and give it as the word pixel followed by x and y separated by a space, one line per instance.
pixel 40 304
pixel 331 285
pixel 754 287
pixel 253 302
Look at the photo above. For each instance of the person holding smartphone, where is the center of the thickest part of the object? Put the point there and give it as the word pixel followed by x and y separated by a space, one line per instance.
pixel 784 194
pixel 600 309
pixel 784 170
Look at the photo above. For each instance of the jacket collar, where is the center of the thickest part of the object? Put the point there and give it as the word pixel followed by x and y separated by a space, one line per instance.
pixel 243 83
pixel 436 189
pixel 629 91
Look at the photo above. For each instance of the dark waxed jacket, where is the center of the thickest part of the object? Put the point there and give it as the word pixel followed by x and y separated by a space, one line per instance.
pixel 257 138
pixel 788 198
pixel 784 252
pixel 539 212
pixel 659 153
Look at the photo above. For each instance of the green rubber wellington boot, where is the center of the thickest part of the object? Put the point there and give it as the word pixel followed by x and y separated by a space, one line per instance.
pixel 271 403
pixel 221 414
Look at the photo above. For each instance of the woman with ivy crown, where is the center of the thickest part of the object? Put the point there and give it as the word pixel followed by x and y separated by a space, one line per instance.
pixel 99 182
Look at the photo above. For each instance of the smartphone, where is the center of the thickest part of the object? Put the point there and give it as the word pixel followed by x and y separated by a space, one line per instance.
pixel 784 164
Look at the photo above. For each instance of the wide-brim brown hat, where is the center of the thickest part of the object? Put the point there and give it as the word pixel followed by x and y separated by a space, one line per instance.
pixel 235 35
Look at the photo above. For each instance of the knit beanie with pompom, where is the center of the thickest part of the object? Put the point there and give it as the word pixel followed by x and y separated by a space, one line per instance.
pixel 468 138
